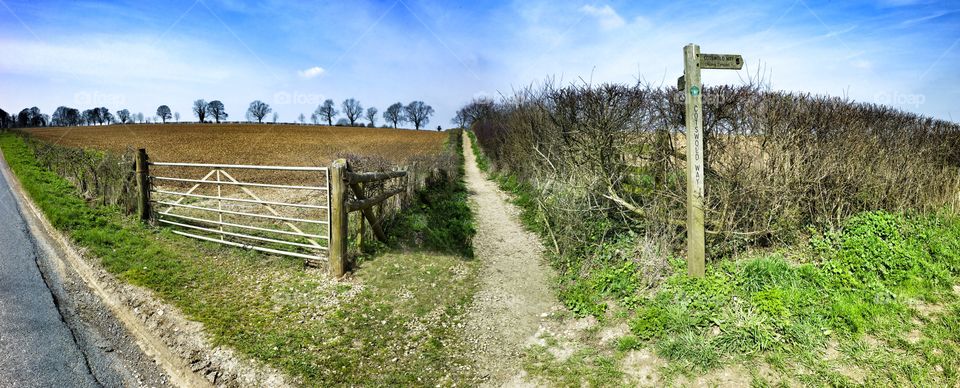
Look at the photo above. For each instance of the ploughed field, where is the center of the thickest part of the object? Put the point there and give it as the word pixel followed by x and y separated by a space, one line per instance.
pixel 260 144
pixel 294 145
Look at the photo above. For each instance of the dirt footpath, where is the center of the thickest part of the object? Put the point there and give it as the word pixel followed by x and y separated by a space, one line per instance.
pixel 515 282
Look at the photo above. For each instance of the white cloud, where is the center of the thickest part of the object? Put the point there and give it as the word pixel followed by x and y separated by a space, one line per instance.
pixel 862 64
pixel 312 72
pixel 642 22
pixel 607 16
pixel 116 60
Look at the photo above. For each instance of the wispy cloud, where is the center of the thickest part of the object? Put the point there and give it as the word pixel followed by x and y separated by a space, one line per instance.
pixel 108 60
pixel 312 72
pixel 607 17
pixel 935 15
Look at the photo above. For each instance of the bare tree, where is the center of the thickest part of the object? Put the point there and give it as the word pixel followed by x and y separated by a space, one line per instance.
pixel 315 118
pixel 372 116
pixel 163 112
pixel 215 108
pixel 89 116
pixel 460 119
pixel 37 119
pixel 104 115
pixel 327 110
pixel 123 115
pixel 200 109
pixel 276 117
pixel 477 110
pixel 302 119
pixel 176 116
pixel 353 110
pixel 418 113
pixel 259 109
pixel 394 114
pixel 61 116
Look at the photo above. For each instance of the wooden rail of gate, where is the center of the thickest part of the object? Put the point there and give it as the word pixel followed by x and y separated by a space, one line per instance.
pixel 340 180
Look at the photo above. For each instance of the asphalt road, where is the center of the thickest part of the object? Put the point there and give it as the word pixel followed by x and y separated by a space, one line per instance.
pixel 37 347
pixel 54 330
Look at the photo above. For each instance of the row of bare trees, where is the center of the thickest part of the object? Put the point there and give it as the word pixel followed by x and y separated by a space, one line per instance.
pixel 67 116
pixel 416 113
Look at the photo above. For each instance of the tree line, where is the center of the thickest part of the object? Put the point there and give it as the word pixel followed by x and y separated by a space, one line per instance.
pixel 417 113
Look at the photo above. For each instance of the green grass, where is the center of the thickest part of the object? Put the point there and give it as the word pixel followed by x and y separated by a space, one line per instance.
pixel 585 367
pixel 396 324
pixel 482 161
pixel 879 295
pixel 440 219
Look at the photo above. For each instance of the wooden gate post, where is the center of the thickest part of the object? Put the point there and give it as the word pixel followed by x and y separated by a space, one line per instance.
pixel 143 185
pixel 338 218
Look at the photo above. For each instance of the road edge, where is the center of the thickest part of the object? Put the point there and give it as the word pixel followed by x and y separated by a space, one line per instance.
pixel 184 353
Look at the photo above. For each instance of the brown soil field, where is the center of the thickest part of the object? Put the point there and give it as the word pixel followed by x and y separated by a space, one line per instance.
pixel 292 145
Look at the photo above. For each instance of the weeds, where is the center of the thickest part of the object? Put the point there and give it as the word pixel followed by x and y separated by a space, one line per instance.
pixel 859 284
pixel 482 162
pixel 439 217
pixel 874 302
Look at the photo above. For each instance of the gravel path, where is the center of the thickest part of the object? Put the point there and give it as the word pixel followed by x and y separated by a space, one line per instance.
pixel 515 291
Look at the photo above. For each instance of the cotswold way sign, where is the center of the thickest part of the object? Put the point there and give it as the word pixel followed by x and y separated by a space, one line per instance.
pixel 721 61
pixel 689 83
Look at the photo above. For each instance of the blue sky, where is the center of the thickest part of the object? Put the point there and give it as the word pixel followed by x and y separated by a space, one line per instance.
pixel 293 55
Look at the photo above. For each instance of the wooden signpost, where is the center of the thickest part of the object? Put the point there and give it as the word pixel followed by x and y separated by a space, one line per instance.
pixel 693 61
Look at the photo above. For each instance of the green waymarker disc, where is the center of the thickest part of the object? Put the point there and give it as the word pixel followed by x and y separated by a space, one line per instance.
pixel 694 91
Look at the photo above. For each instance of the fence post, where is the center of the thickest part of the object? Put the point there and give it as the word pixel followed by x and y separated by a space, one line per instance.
pixel 143 185
pixel 338 218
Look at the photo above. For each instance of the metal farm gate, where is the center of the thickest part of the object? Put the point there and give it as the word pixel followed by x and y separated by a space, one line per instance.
pixel 253 221
pixel 306 220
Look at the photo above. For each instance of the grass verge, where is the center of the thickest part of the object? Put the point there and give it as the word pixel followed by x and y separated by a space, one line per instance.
pixel 396 323
pixel 440 219
pixel 482 161
pixel 875 302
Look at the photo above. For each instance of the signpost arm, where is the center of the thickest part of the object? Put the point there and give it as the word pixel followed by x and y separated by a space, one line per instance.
pixel 696 251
